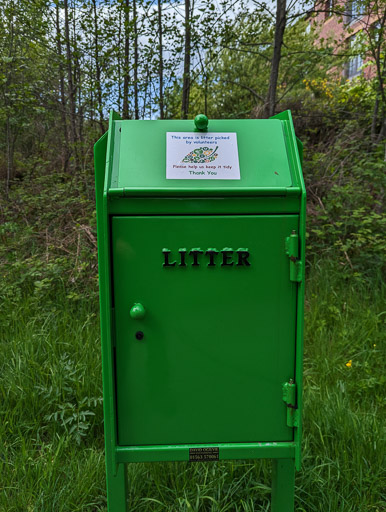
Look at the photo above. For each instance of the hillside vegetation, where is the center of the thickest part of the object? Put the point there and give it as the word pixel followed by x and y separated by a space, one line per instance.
pixel 51 418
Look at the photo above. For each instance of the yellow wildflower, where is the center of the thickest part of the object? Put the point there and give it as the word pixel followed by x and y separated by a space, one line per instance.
pixel 349 364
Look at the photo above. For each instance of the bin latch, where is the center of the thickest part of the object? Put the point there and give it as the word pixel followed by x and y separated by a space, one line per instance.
pixel 289 397
pixel 292 251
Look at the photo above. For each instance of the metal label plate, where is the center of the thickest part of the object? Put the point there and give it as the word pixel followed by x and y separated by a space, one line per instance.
pixel 203 454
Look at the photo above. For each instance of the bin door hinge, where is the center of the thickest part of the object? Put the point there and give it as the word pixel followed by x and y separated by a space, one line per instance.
pixel 289 397
pixel 292 251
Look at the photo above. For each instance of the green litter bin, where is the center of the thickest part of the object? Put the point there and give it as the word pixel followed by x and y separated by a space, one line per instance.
pixel 201 240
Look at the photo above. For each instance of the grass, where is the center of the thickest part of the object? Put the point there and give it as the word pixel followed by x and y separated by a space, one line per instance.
pixel 51 423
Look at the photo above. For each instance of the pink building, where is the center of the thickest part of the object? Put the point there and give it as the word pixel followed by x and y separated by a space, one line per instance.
pixel 344 21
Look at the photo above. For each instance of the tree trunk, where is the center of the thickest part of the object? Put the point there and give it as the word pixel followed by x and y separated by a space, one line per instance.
pixel 206 95
pixel 9 78
pixel 98 70
pixel 160 67
pixel 125 108
pixel 279 36
pixel 92 106
pixel 136 111
pixel 119 72
pixel 77 76
pixel 71 89
pixel 10 155
pixel 376 48
pixel 62 100
pixel 186 78
pixel 146 90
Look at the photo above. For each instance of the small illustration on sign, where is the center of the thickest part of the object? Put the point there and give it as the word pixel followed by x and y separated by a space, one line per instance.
pixel 201 155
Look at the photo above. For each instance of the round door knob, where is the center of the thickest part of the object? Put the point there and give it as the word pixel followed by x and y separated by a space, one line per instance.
pixel 137 311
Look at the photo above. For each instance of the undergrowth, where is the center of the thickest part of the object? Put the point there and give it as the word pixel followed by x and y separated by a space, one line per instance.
pixel 51 421
pixel 52 424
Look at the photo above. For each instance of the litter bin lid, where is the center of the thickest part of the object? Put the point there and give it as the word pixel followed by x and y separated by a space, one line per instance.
pixel 170 158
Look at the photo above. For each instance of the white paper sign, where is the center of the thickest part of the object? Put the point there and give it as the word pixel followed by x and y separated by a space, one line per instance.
pixel 202 156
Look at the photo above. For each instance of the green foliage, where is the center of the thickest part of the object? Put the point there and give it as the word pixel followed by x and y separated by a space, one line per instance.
pixel 49 239
pixel 346 183
pixel 234 79
pixel 52 426
pixel 27 78
pixel 51 421
pixel 355 96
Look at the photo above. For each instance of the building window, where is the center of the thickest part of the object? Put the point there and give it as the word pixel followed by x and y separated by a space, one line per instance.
pixel 355 62
pixel 329 7
pixel 355 9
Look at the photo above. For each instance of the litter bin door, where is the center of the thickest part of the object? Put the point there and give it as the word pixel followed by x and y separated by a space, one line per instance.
pixel 206 361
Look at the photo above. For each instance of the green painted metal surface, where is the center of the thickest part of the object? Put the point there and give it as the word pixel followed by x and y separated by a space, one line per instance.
pixel 289 397
pixel 227 451
pixel 219 340
pixel 283 485
pixel 205 205
pixel 202 302
pixel 201 122
pixel 139 163
pixel 137 312
pixel 295 156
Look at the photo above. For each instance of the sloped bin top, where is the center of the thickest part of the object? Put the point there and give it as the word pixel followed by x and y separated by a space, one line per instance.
pixel 234 157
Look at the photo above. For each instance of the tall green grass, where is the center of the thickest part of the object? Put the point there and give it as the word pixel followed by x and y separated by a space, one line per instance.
pixel 51 424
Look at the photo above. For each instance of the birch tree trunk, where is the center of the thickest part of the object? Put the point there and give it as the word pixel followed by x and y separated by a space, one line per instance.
pixel 119 71
pixel 126 77
pixel 70 81
pixel 77 84
pixel 98 70
pixel 62 99
pixel 10 139
pixel 186 78
pixel 136 110
pixel 160 67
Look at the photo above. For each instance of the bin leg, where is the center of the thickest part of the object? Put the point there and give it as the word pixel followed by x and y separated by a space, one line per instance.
pixel 117 489
pixel 283 485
